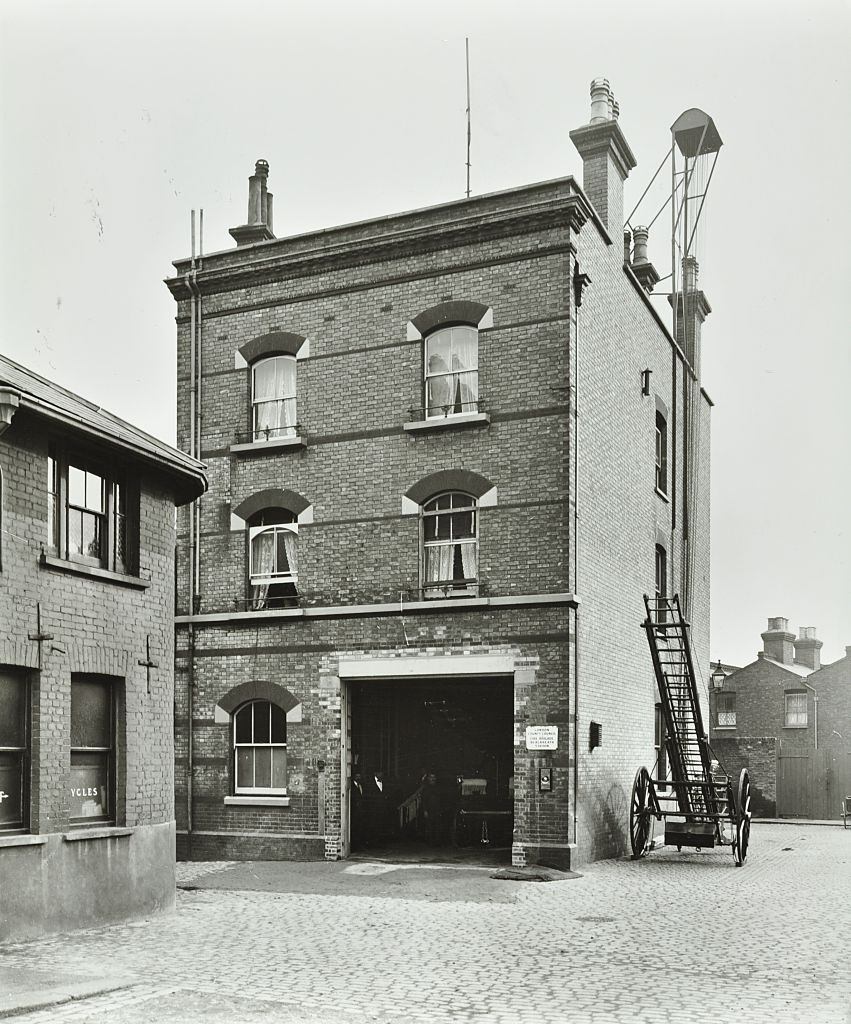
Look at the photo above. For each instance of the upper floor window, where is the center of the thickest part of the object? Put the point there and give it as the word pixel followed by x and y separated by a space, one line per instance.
pixel 450 545
pixel 796 710
pixel 452 371
pixel 14 750
pixel 273 398
pixel 88 513
pixel 92 779
pixel 661 453
pixel 260 749
pixel 661 572
pixel 726 709
pixel 273 558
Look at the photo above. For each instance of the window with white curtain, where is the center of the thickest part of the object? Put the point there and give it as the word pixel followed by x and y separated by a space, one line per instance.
pixel 272 558
pixel 273 398
pixel 450 545
pixel 452 371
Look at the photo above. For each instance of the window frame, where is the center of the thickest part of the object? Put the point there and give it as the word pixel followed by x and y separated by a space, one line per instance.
pixel 789 714
pixel 661 470
pixel 280 519
pixel 107 754
pixel 236 745
pixel 439 412
pixel 22 752
pixel 258 578
pixel 117 518
pixel 266 434
pixel 467 587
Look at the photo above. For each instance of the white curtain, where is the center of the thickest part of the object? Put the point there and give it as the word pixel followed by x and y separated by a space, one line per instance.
pixel 469 560
pixel 262 564
pixel 291 551
pixel 274 396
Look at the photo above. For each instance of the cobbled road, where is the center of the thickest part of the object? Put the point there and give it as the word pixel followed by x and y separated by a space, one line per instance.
pixel 674 937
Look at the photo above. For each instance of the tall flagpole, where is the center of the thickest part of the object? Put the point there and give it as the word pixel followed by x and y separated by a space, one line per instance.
pixel 467 46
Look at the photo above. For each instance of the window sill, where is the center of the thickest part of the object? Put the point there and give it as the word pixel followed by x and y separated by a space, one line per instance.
pixel 22 840
pixel 80 569
pixel 725 728
pixel 257 801
pixel 466 419
pixel 106 832
pixel 796 726
pixel 662 495
pixel 258 447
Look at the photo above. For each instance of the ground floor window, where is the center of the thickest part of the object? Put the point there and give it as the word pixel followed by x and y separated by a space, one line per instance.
pixel 92 780
pixel 14 750
pixel 260 749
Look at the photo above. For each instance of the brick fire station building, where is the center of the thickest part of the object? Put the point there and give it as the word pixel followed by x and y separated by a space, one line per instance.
pixel 87 535
pixel 449 451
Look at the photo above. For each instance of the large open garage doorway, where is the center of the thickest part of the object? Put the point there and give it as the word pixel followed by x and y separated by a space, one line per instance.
pixel 432 768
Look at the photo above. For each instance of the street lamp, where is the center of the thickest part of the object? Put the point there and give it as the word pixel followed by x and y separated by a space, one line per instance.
pixel 718 676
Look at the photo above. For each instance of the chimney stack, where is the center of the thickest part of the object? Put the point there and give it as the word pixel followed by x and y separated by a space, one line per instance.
pixel 777 641
pixel 259 225
pixel 808 648
pixel 692 309
pixel 641 265
pixel 606 156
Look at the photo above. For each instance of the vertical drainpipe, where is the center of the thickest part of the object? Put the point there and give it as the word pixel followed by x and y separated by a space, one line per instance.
pixel 194 516
pixel 579 282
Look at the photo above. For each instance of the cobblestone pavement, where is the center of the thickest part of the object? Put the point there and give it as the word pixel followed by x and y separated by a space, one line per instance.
pixel 674 937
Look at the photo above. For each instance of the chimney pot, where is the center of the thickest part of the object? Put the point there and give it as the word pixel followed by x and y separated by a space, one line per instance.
pixel 258 227
pixel 640 236
pixel 616 109
pixel 600 93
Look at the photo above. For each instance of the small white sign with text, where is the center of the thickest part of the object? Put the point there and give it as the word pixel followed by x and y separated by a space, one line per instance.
pixel 541 737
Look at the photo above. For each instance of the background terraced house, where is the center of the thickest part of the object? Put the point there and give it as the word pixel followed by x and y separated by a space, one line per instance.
pixel 449 451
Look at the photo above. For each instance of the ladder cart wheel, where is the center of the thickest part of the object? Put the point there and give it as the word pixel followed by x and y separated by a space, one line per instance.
pixel 743 818
pixel 640 814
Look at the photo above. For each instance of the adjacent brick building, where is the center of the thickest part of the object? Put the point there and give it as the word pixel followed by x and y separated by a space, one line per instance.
pixel 86 660
pixel 788 719
pixel 447 452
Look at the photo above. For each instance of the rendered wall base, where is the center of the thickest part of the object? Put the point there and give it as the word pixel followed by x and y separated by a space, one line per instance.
pixel 239 846
pixel 60 885
pixel 549 855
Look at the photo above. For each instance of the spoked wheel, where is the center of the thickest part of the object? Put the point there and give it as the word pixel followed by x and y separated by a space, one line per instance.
pixel 640 814
pixel 743 818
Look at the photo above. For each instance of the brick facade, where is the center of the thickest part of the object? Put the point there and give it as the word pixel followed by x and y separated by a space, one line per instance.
pixel 54 878
pixel 808 773
pixel 563 442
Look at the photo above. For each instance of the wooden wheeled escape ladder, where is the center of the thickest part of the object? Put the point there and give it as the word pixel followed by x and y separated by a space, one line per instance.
pixel 686 742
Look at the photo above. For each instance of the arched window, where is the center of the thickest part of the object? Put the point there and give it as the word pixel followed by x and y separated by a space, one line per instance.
pixel 452 371
pixel 260 749
pixel 273 398
pixel 272 558
pixel 450 545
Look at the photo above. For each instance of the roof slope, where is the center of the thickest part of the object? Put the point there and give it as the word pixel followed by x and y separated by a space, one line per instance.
pixel 44 398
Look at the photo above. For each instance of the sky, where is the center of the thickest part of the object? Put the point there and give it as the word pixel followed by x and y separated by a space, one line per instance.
pixel 117 119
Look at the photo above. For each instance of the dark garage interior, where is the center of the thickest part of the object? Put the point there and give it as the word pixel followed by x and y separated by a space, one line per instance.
pixel 432 768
